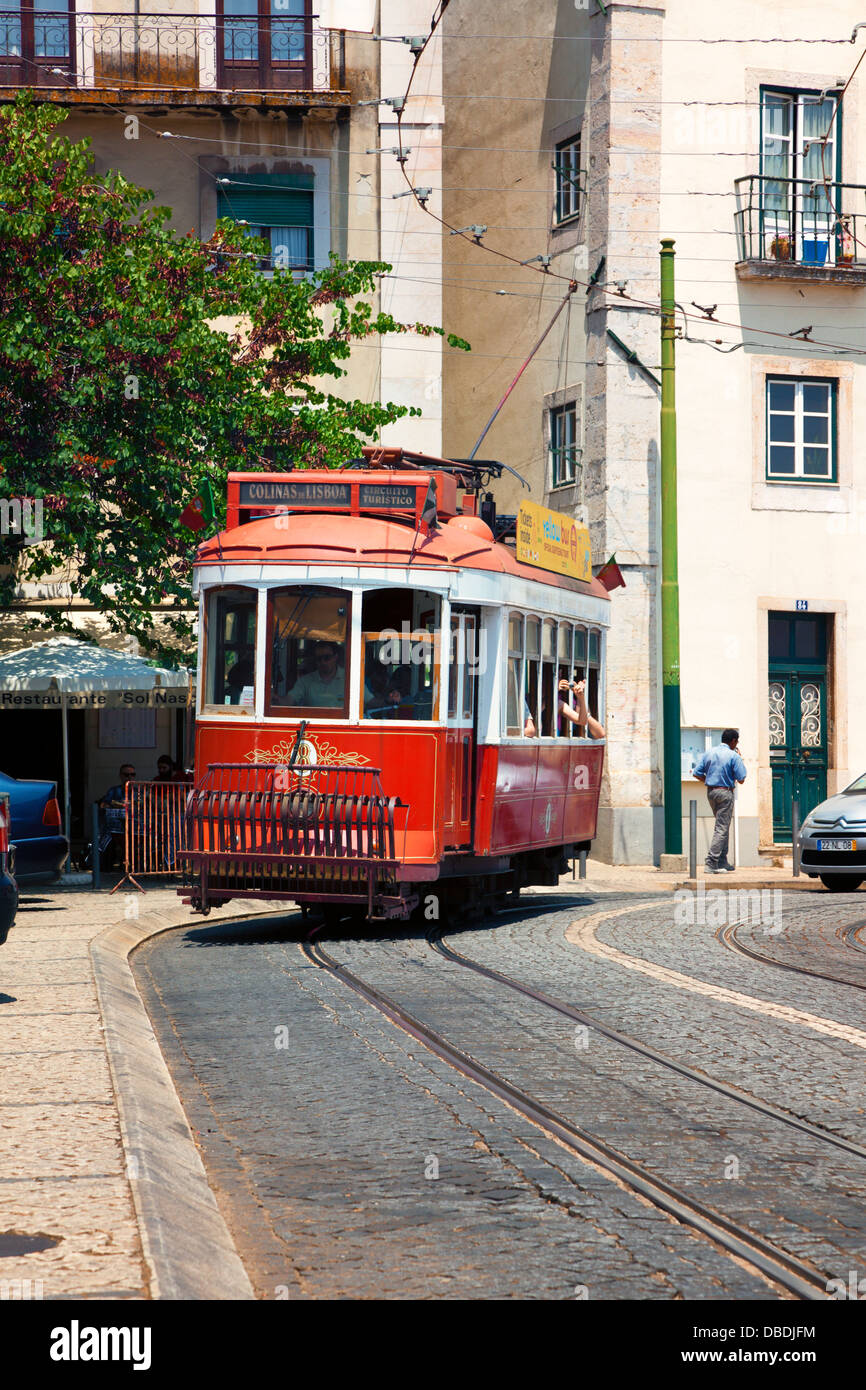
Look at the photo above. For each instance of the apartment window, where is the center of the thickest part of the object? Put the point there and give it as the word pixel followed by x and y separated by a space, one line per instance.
pixel 276 207
pixel 564 451
pixel 801 430
pixel 800 162
pixel 567 169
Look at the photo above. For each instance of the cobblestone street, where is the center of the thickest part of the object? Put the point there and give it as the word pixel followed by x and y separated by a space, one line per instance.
pixel 348 1160
pixel 385 1173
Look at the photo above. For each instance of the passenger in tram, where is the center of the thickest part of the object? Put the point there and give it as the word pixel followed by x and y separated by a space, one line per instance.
pixel 581 714
pixel 324 686
pixel 529 729
pixel 242 675
pixel 382 701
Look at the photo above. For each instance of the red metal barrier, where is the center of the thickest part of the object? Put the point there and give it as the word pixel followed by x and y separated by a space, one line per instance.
pixel 310 834
pixel 155 833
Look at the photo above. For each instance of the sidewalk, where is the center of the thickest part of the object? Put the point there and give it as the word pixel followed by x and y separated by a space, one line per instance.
pixel 100 1171
pixel 640 878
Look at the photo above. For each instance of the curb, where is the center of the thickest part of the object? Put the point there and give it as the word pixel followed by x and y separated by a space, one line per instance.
pixel 188 1249
pixel 728 882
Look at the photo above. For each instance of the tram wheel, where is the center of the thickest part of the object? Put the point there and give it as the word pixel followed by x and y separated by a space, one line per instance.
pixel 840 883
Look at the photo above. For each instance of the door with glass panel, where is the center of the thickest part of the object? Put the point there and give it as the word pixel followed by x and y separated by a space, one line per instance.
pixel 800 161
pixel 797 712
pixel 264 44
pixel 37 39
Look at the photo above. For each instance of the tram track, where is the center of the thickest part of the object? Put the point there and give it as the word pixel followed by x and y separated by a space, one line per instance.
pixel 728 936
pixel 643 1049
pixel 850 935
pixel 769 1260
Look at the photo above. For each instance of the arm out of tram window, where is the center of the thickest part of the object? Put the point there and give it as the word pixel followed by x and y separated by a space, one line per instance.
pixel 581 715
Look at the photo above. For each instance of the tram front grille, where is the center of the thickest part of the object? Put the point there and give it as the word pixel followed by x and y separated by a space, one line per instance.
pixel 292 828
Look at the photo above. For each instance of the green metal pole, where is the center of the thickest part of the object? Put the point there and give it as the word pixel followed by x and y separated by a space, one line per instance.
pixel 670 573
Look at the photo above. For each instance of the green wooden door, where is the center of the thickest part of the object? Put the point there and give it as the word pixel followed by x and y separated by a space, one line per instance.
pixel 797 707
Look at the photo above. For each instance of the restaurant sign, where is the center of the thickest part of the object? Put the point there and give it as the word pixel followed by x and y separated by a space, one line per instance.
pixel 95 699
pixel 553 541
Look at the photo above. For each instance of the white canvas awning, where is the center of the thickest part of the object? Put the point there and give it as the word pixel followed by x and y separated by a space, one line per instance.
pixel 65 673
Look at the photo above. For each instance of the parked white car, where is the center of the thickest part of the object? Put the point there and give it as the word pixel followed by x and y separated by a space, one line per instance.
pixel 832 839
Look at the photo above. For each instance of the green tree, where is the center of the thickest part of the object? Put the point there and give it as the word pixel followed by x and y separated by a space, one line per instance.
pixel 118 394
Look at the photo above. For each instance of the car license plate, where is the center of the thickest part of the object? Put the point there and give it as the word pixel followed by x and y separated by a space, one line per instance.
pixel 837 845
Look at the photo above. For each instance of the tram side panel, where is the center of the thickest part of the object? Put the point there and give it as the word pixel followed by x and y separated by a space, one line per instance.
pixel 537 796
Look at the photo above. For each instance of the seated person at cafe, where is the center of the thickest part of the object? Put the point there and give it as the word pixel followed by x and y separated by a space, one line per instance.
pixel 324 686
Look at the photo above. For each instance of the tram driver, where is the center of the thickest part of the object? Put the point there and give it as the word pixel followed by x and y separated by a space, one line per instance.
pixel 324 686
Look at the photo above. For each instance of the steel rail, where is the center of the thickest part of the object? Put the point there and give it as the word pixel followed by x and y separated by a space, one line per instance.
pixel 732 1092
pixel 767 1259
pixel 851 938
pixel 728 936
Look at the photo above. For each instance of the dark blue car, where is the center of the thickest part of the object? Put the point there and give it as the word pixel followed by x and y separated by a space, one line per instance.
pixel 8 886
pixel 40 848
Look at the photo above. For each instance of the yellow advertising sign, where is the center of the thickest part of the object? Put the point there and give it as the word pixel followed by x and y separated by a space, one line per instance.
pixel 553 541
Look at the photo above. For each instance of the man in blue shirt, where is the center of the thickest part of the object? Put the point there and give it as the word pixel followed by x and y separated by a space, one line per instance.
pixel 719 769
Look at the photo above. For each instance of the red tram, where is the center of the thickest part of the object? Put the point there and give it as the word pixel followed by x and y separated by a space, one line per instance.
pixel 377 705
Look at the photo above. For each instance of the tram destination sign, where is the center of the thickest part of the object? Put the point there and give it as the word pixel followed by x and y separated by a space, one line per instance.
pixel 553 541
pixel 387 496
pixel 295 492
pixel 267 492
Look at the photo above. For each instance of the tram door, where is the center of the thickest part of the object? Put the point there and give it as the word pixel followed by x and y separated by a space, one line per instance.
pixel 461 727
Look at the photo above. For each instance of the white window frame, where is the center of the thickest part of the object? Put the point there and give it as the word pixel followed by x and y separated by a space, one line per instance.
pixel 567 188
pixel 798 444
pixel 557 413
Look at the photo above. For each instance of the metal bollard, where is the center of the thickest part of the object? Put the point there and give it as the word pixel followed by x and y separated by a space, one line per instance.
pixel 795 834
pixel 95 869
pixel 693 839
pixel 583 863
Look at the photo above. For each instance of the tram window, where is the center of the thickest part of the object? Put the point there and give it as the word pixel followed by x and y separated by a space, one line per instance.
pixel 549 699
pixel 307 650
pixel 453 671
pixel 565 643
pixel 230 660
pixel 592 675
pixel 470 673
pixel 533 673
pixel 514 719
pixel 400 654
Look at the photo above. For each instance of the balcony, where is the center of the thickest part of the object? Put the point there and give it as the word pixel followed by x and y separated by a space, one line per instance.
pixel 796 229
pixel 162 58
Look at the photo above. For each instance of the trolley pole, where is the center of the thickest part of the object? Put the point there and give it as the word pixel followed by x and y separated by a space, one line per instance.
pixel 670 571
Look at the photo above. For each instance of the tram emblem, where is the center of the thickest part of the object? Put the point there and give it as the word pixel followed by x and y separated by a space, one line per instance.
pixel 548 817
pixel 313 752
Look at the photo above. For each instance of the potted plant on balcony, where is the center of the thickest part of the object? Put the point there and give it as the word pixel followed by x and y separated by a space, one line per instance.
pixel 780 247
pixel 845 253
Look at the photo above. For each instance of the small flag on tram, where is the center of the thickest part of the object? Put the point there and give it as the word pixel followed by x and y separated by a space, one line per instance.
pixel 428 512
pixel 610 575
pixel 201 510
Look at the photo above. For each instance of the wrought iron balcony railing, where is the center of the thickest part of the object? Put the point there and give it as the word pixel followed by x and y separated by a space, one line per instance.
pixel 796 222
pixel 68 48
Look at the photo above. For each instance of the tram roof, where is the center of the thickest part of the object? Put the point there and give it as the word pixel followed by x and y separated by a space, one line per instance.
pixel 316 538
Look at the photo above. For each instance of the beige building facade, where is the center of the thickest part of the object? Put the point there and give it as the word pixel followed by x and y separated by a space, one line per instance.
pixel 727 131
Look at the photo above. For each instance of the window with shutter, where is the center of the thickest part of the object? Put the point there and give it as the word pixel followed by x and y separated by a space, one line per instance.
pixel 276 207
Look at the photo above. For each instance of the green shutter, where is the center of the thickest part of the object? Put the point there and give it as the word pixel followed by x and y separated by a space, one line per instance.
pixel 267 200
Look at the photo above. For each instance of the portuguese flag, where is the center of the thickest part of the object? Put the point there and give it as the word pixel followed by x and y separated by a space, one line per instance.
pixel 201 510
